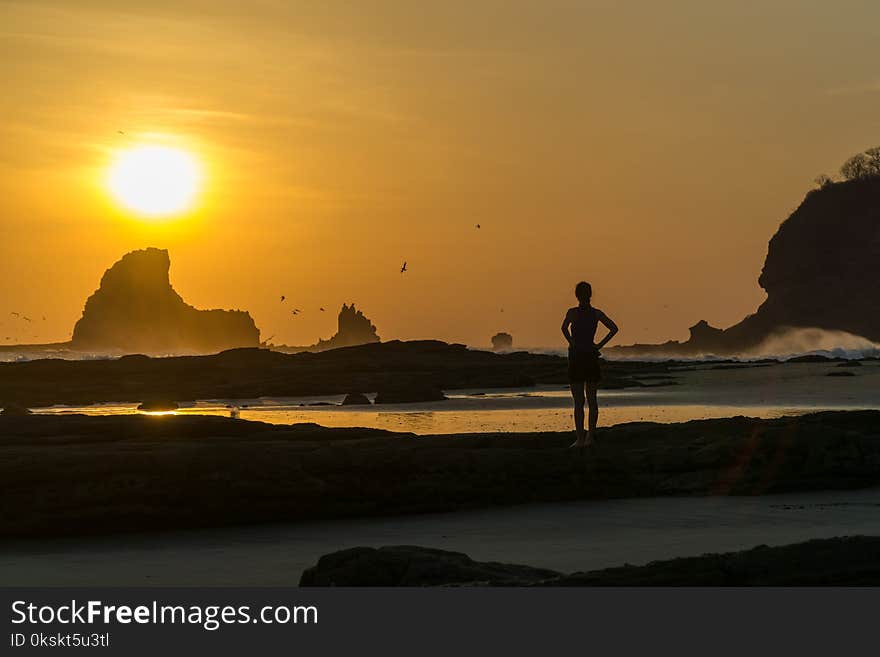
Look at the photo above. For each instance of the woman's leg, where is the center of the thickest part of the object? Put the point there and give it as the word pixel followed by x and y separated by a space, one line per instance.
pixel 593 403
pixel 577 395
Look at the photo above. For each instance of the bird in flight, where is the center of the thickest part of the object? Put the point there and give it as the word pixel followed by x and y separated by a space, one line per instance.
pixel 27 319
pixel 478 226
pixel 120 132
pixel 14 314
pixel 322 310
pixel 295 311
pixel 283 298
pixel 403 269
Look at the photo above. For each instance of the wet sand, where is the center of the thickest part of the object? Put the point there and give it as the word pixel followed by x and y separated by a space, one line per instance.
pixel 564 536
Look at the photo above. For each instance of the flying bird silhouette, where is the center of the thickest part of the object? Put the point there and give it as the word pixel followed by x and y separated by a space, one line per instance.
pixel 283 298
pixel 27 319
pixel 322 310
pixel 478 225
pixel 403 269
pixel 295 311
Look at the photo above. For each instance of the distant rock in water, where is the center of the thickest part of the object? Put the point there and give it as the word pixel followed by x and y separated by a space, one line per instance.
pixel 821 272
pixel 502 341
pixel 135 309
pixel 353 329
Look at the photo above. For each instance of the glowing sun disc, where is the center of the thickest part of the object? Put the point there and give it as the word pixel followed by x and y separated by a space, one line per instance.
pixel 155 180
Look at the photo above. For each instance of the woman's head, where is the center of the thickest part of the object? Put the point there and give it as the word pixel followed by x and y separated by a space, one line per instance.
pixel 583 291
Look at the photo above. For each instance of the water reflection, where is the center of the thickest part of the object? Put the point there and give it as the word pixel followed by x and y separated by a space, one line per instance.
pixel 434 418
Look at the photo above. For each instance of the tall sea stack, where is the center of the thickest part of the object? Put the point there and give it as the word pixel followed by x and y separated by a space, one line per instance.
pixel 135 309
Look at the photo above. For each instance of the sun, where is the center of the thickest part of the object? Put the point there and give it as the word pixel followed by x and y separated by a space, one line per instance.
pixel 155 181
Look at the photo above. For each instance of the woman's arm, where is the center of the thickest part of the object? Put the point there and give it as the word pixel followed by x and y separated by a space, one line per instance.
pixel 565 327
pixel 610 325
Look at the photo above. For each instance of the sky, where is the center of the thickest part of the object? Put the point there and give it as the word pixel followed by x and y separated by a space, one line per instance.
pixel 649 148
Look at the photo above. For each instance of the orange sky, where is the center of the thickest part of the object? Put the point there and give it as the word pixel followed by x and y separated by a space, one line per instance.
pixel 651 148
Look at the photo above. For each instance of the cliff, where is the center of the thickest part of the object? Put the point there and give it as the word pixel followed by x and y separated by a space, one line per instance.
pixel 822 271
pixel 136 309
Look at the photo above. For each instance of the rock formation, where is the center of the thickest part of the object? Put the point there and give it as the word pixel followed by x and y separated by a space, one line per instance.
pixel 841 561
pixel 201 470
pixel 406 565
pixel 353 328
pixel 135 309
pixel 822 271
pixel 502 341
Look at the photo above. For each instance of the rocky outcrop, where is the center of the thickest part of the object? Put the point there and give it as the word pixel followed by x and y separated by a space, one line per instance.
pixel 135 309
pixel 252 372
pixel 822 271
pixel 189 471
pixel 843 561
pixel 502 342
pixel 405 565
pixel 353 328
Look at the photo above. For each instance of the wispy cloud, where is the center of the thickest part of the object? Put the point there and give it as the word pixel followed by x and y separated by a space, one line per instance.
pixel 872 86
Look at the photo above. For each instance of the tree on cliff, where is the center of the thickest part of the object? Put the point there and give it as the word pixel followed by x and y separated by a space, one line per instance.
pixel 864 165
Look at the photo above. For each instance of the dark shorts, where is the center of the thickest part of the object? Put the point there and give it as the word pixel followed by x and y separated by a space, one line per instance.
pixel 583 366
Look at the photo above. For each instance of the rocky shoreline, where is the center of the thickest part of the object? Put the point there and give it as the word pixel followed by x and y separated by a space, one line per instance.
pixel 71 475
pixel 842 561
pixel 424 366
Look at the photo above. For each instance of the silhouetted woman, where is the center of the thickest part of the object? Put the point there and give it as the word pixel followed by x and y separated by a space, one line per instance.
pixel 579 329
